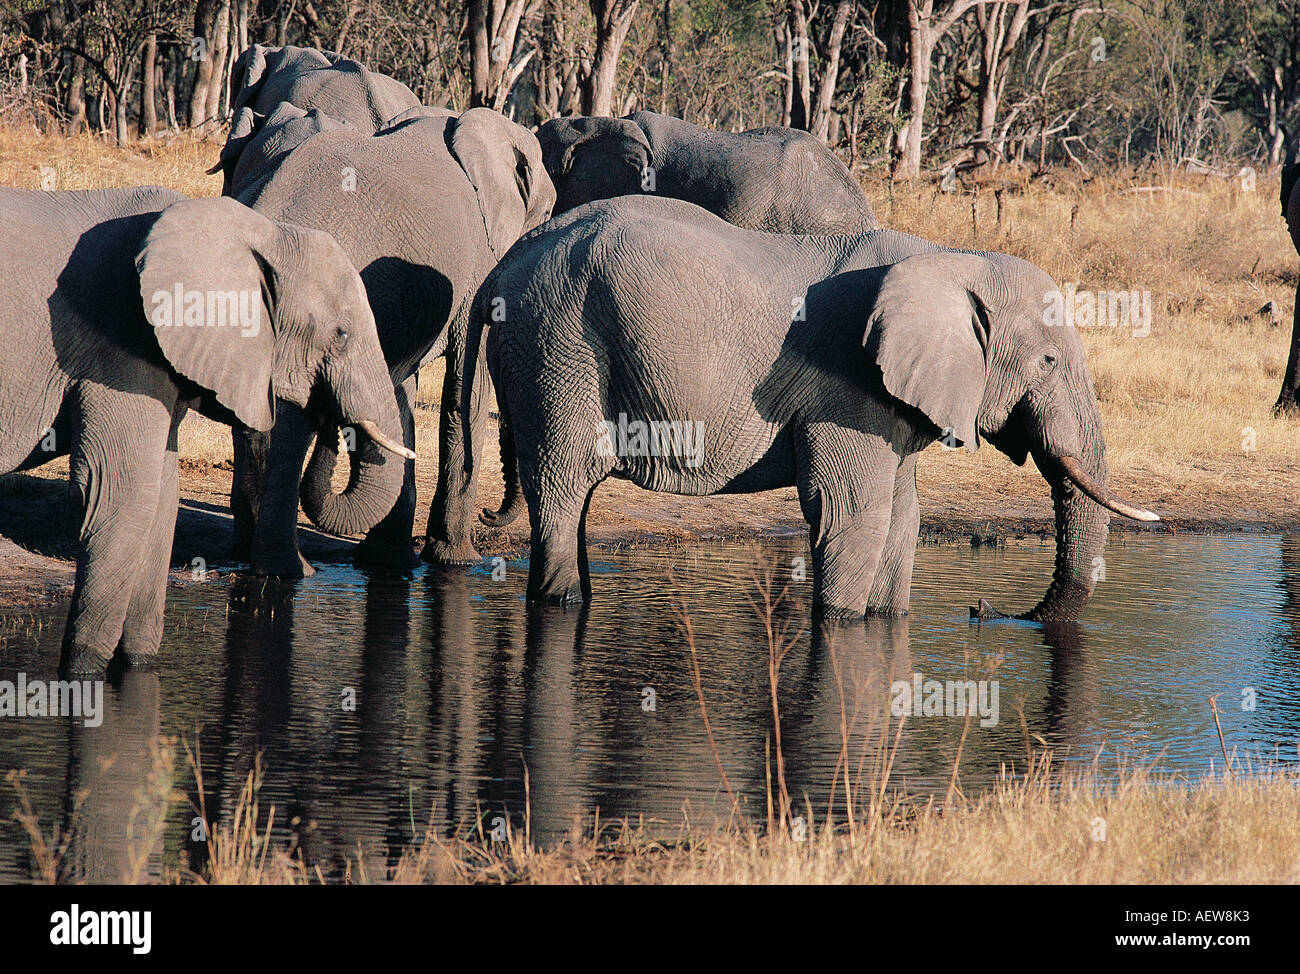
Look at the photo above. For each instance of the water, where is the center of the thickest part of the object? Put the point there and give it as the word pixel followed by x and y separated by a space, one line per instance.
pixel 381 706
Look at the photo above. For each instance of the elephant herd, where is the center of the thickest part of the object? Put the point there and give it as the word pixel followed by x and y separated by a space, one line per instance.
pixel 696 312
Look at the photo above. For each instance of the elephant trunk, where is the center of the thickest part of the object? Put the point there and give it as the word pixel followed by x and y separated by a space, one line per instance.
pixel 374 484
pixel 1067 447
pixel 1081 529
pixel 377 458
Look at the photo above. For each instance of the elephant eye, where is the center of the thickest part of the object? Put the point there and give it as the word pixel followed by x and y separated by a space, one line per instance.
pixel 340 336
pixel 1049 361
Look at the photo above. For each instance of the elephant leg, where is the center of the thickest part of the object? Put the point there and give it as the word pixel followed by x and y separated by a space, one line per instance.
pixel 275 542
pixel 892 589
pixel 251 450
pixel 1288 400
pixel 846 492
pixel 115 474
pixel 388 543
pixel 449 536
pixel 557 563
pixel 143 628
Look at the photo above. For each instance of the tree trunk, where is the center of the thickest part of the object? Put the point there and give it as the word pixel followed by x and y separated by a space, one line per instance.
pixel 799 55
pixel 220 48
pixel 823 110
pixel 925 28
pixel 613 21
pixel 205 14
pixel 148 87
pixel 75 104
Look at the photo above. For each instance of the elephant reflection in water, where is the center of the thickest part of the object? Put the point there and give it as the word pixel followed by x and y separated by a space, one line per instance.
pixel 457 699
pixel 328 728
pixel 117 788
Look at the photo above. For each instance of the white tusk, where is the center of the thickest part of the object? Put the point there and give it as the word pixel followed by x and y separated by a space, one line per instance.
pixel 1074 470
pixel 371 430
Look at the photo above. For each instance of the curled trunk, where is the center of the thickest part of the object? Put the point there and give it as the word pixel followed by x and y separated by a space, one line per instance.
pixel 374 484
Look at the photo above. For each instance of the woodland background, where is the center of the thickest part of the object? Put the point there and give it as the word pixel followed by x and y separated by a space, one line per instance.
pixel 911 85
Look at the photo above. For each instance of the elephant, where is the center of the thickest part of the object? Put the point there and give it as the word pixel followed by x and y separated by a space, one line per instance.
pixel 424 206
pixel 345 90
pixel 646 339
pixel 126 308
pixel 1288 400
pixel 775 179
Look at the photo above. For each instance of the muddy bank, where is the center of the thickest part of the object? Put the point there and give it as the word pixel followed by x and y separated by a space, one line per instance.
pixel 38 526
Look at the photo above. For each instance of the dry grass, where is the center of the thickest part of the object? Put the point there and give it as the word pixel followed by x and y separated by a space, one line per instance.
pixel 1043 827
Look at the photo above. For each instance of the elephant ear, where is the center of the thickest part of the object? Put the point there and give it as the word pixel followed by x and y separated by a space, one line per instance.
pixel 505 171
pixel 928 333
pixel 246 124
pixel 206 283
pixel 564 139
pixel 247 76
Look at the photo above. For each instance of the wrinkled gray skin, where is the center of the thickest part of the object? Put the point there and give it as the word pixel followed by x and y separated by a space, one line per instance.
pixel 1288 400
pixel 343 89
pixel 85 372
pixel 659 311
pixel 775 179
pixel 424 207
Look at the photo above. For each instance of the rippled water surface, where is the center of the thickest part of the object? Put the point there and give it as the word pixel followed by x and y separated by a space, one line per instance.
pixel 379 705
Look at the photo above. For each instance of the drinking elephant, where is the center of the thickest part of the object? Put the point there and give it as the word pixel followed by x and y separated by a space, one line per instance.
pixel 125 308
pixel 646 339
pixel 775 179
pixel 1288 400
pixel 424 207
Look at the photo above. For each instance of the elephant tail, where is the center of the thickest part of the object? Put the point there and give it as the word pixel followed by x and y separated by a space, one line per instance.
pixel 512 505
pixel 475 359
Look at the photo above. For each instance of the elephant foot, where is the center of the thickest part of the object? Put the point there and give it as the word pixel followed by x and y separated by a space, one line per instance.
pixel 445 553
pixel 1286 406
pixel 385 556
pixel 82 661
pixel 837 614
pixel 289 566
pixel 571 597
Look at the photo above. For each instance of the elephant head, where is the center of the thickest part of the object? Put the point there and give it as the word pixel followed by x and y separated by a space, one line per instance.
pixel 503 161
pixel 257 143
pixel 247 311
pixel 266 80
pixel 593 158
pixel 965 339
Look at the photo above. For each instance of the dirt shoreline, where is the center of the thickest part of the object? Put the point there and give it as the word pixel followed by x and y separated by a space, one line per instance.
pixel 37 526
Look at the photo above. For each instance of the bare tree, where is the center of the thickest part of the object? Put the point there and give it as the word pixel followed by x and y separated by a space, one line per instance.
pixel 926 26
pixel 613 20
pixel 493 36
